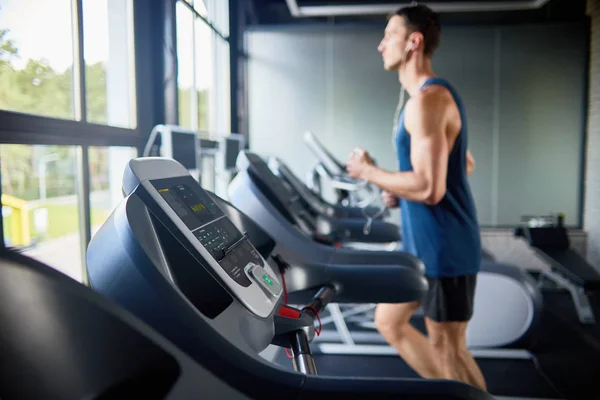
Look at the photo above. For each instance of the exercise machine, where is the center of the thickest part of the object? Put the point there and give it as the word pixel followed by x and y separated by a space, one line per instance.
pixel 549 238
pixel 255 192
pixel 62 340
pixel 347 187
pixel 211 161
pixel 312 200
pixel 170 255
pixel 333 231
pixel 349 191
pixel 172 141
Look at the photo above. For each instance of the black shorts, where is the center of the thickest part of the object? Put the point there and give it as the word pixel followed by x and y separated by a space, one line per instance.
pixel 450 299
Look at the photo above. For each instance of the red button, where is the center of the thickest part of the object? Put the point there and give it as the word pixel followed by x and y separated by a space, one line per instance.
pixel 289 312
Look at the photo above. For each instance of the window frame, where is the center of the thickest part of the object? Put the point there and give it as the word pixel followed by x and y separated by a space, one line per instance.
pixel 32 129
pixel 23 128
pixel 155 99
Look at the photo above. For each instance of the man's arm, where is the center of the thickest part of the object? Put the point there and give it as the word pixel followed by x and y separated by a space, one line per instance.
pixel 429 154
pixel 470 163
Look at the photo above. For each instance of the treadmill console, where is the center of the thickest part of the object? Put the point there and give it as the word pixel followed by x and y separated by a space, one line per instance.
pixel 289 203
pixel 227 250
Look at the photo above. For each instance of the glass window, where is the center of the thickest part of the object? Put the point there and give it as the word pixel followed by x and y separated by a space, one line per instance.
pixel 203 61
pixel 204 70
pixel 40 204
pixel 221 93
pixel 185 60
pixel 200 7
pixel 36 57
pixel 109 66
pixel 106 176
pixel 218 14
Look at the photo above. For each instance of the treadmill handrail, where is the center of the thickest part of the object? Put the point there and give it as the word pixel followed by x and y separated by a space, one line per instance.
pixel 330 164
pixel 571 264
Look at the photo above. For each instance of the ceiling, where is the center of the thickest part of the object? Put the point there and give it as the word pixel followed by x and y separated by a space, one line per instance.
pixel 269 12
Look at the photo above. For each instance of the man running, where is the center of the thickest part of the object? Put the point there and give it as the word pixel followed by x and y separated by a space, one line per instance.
pixel 439 218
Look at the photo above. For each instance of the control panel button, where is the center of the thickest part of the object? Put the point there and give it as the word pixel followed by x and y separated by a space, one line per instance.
pixel 265 281
pixel 268 280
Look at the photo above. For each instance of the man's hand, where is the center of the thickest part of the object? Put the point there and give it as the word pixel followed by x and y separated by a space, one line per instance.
pixel 389 199
pixel 358 162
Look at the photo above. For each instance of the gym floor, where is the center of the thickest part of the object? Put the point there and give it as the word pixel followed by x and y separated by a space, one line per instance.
pixel 567 355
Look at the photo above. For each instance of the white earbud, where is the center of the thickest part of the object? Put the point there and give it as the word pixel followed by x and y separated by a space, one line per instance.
pixel 408 47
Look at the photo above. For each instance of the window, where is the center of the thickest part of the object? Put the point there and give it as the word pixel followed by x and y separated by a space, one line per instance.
pixel 185 63
pixel 203 64
pixel 205 75
pixel 40 58
pixel 40 204
pixel 63 62
pixel 109 67
pixel 106 178
pixel 36 69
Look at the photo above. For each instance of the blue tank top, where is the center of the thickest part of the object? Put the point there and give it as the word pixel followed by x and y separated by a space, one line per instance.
pixel 445 236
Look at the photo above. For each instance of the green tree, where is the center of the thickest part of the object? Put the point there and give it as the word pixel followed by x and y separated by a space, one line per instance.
pixel 95 89
pixel 38 89
pixel 16 162
pixel 8 50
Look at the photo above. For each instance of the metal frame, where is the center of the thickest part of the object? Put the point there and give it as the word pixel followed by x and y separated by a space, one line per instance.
pixel 382 9
pixel 20 128
pixel 387 350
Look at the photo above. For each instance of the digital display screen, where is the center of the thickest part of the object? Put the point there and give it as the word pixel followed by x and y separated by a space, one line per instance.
pixel 184 149
pixel 200 214
pixel 188 200
pixel 209 225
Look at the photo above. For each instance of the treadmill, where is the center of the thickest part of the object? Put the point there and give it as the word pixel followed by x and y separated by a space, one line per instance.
pixel 61 340
pixel 350 192
pixel 345 185
pixel 311 199
pixel 320 206
pixel 548 237
pixel 493 332
pixel 170 256
pixel 329 230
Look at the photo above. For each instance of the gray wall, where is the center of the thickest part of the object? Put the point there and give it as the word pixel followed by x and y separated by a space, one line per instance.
pixel 524 89
pixel 592 198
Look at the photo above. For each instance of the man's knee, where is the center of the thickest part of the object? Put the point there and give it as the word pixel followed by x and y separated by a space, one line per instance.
pixel 392 320
pixel 392 331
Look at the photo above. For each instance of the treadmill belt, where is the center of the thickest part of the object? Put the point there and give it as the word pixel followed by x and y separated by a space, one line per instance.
pixel 503 377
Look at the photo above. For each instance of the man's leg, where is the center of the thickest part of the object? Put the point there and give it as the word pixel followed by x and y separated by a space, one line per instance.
pixel 393 322
pixel 449 342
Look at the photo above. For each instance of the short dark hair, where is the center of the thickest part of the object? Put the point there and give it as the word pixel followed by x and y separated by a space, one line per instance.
pixel 420 18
